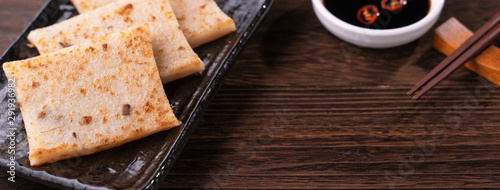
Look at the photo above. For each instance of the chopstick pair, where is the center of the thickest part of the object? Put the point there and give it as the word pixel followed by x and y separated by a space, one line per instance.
pixel 468 50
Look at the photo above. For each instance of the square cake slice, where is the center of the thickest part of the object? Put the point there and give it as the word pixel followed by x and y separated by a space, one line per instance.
pixel 201 21
pixel 173 54
pixel 91 97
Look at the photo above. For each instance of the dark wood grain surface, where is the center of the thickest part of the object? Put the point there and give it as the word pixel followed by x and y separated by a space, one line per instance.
pixel 303 110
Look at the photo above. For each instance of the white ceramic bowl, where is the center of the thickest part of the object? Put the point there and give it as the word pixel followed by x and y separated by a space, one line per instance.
pixel 377 38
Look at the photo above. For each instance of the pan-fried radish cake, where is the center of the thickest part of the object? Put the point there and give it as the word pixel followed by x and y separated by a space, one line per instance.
pixel 92 96
pixel 173 54
pixel 202 21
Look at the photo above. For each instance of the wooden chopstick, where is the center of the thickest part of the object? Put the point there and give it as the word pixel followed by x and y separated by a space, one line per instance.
pixel 485 35
pixel 474 51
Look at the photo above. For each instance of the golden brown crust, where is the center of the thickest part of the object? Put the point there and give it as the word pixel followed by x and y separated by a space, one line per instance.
pixel 78 109
pixel 120 15
pixel 201 21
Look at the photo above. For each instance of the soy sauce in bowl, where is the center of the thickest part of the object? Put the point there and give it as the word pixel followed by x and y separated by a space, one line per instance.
pixel 379 14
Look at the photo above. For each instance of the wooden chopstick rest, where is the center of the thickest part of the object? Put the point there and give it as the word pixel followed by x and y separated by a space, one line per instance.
pixel 470 49
pixel 451 34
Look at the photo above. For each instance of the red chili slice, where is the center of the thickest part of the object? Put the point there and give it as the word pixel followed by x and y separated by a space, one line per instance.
pixel 368 14
pixel 393 5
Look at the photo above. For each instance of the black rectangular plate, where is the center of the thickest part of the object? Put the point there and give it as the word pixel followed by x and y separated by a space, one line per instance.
pixel 142 164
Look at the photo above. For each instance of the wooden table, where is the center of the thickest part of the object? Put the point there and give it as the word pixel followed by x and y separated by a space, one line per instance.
pixel 303 110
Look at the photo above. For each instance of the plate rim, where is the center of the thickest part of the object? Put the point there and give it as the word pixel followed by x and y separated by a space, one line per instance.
pixel 207 96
